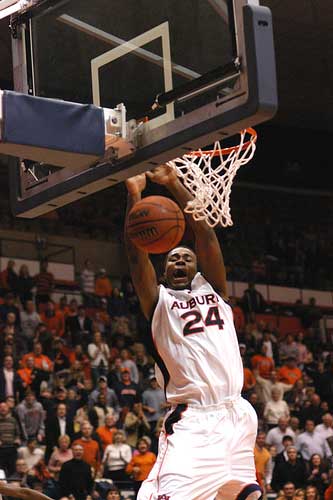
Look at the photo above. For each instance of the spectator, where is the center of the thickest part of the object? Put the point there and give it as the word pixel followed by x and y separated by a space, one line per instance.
pixel 141 464
pixel 275 409
pixel 318 473
pixel 45 337
pixel 91 453
pixel 289 373
pixel 27 374
pixel 100 411
pixel 117 304
pixel 60 359
pixel 79 327
pixel 106 432
pixel 311 442
pixel 293 469
pixel 110 395
pixel 302 350
pixel 288 492
pixel 288 348
pixel 99 353
pixel 78 356
pixel 19 475
pixel 153 403
pixel 45 283
pixel 127 362
pixel 75 476
pixel 9 438
pixel 10 382
pixel 326 428
pixel 63 453
pixel 263 363
pixel 252 301
pixel 25 284
pixel 30 453
pixel 102 318
pixel 88 284
pixel 239 318
pixel 127 391
pixel 311 315
pixel 283 457
pixel 313 411
pixel 274 436
pixel 9 307
pixel 53 319
pixel 56 426
pixel 311 493
pixel 263 461
pixel 116 457
pixel 136 424
pixel 31 417
pixel 8 278
pixel 41 362
pixel 249 382
pixel 103 286
pixel 30 319
pixel 264 386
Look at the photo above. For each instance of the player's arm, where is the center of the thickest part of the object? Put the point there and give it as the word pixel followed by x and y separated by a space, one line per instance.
pixel 207 247
pixel 24 493
pixel 141 269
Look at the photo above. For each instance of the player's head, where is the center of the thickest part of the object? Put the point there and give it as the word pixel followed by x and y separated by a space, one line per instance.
pixel 180 267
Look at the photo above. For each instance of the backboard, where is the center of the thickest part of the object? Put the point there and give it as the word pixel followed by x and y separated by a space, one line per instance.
pixel 188 72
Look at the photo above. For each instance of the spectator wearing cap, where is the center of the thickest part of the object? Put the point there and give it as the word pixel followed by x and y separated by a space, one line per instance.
pixel 79 327
pixel 30 319
pixel 75 476
pixel 110 395
pixel 53 319
pixel 127 391
pixel 99 354
pixel 45 283
pixel 127 362
pixel 136 424
pixel 289 373
pixel 103 286
pixel 310 442
pixel 153 402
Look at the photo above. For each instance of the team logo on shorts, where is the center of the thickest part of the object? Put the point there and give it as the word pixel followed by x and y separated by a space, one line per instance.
pixel 163 497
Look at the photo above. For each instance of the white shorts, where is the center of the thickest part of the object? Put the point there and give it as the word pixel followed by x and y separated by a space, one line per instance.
pixel 205 453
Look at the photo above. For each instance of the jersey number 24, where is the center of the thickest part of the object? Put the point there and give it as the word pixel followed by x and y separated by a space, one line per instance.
pixel 194 325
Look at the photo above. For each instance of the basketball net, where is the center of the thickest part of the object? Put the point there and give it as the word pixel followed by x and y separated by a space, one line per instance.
pixel 209 176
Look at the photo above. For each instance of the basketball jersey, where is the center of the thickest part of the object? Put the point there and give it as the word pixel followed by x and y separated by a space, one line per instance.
pixel 196 347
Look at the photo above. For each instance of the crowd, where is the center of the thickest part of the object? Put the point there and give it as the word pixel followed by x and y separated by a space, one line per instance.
pixel 81 409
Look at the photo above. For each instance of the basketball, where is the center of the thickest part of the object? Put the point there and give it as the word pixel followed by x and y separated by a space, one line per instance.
pixel 155 224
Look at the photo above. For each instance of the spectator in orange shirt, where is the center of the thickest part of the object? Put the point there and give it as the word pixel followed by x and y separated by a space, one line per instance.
pixel 90 447
pixel 26 373
pixel 103 286
pixel 239 318
pixel 289 373
pixel 54 320
pixel 264 364
pixel 41 362
pixel 107 431
pixel 141 464
pixel 249 381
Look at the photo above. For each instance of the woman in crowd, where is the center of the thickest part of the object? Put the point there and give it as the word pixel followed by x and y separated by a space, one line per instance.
pixel 60 455
pixel 116 457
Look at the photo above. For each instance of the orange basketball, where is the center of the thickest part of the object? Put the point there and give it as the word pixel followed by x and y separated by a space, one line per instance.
pixel 155 224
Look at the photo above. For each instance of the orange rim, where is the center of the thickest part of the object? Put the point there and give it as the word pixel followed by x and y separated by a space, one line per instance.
pixel 227 151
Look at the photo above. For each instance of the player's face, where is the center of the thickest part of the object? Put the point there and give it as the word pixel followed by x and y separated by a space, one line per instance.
pixel 180 268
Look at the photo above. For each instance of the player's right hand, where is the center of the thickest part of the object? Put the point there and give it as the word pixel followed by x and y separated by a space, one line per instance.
pixel 136 184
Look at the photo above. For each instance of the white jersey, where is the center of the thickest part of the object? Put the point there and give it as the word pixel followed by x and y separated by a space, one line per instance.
pixel 196 347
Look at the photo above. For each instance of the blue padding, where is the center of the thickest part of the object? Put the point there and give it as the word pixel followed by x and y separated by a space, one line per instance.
pixel 53 124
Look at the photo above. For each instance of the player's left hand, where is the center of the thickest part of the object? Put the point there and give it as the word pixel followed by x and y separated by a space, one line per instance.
pixel 163 174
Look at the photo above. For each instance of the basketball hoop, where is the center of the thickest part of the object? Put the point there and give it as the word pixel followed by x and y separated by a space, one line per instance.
pixel 210 182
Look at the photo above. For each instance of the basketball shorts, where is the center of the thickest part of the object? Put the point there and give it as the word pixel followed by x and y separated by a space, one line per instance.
pixel 205 453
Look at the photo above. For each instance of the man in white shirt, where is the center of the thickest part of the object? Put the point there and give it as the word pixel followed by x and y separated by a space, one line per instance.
pixel 31 454
pixel 326 428
pixel 310 442
pixel 10 382
pixel 274 436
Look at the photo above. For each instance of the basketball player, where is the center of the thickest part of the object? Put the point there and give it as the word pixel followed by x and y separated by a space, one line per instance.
pixel 206 447
pixel 23 493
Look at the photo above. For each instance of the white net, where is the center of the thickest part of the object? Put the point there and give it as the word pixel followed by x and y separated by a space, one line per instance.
pixel 209 176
